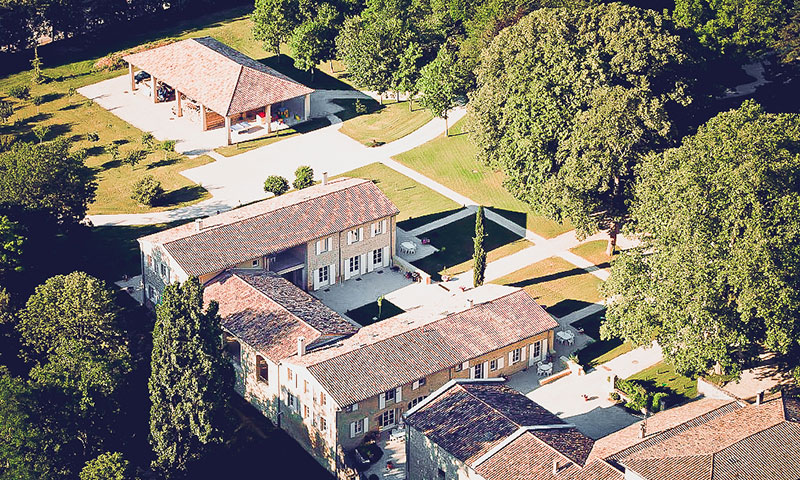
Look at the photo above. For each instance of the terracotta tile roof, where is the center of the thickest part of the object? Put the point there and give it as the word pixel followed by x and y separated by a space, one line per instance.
pixel 214 74
pixel 273 225
pixel 405 348
pixel 758 442
pixel 269 313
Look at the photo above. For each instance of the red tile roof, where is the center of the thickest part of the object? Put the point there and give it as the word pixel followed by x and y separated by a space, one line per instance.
pixel 269 313
pixel 214 74
pixel 273 225
pixel 402 349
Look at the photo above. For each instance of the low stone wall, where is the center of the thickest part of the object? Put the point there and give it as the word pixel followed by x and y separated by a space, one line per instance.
pixel 407 267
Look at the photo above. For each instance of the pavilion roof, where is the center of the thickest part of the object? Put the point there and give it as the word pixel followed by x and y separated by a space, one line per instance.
pixel 214 74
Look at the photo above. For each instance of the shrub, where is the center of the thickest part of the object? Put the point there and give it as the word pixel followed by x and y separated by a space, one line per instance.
pixel 167 146
pixel 147 190
pixel 93 136
pixel 113 150
pixel 107 466
pixel 20 92
pixel 303 177
pixel 276 184
pixel 41 132
pixel 6 110
pixel 6 141
pixel 360 107
pixel 148 140
pixel 134 157
pixel 37 100
pixel 614 396
pixel 655 403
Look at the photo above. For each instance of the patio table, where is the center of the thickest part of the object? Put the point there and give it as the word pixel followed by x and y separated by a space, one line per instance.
pixel 565 336
pixel 545 369
pixel 408 247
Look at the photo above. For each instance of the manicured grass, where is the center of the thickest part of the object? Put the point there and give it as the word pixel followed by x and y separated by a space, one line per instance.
pixel 455 244
pixel 599 351
pixel 415 201
pixel 383 124
pixel 451 161
pixel 305 127
pixel 595 252
pixel 368 314
pixel 491 256
pixel 557 284
pixel 663 377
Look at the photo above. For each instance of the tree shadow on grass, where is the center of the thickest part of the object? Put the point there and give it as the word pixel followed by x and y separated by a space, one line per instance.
pixel 109 165
pixel 182 195
pixel 349 105
pixel 414 222
pixel 95 150
pixel 554 276
pixel 71 106
pixel 49 97
pixel 519 218
pixel 321 80
pixel 567 306
pixel 163 163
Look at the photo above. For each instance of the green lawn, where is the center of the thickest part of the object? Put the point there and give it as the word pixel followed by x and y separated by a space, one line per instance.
pixel 556 284
pixel 595 252
pixel 368 314
pixel 599 351
pixel 451 161
pixel 383 123
pixel 415 201
pixel 455 245
pixel 305 127
pixel 662 377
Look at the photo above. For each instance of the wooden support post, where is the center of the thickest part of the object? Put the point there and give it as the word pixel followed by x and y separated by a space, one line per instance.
pixel 133 78
pixel 307 106
pixel 179 106
pixel 203 120
pixel 268 114
pixel 154 89
pixel 228 129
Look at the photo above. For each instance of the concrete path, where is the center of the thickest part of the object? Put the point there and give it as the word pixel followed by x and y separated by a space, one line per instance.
pixel 755 70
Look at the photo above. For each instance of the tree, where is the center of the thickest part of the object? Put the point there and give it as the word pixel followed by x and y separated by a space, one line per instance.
pixel 37 100
pixel 10 246
pixel 190 381
pixel 273 22
pixel 41 132
pixel 479 251
pixel 312 42
pixel 134 157
pixel 37 76
pixel 407 74
pixel 788 42
pixel 75 307
pixel 6 110
pixel 47 178
pixel 303 177
pixel 276 184
pixel 20 92
pixel 733 26
pixel 147 190
pixel 440 84
pixel 167 146
pixel 568 129
pixel 716 276
pixel 107 466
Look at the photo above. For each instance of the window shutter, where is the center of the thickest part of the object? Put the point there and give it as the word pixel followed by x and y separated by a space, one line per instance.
pixel 317 244
pixel 385 256
pixel 415 385
pixel 544 347
pixel 471 372
pixel 370 265
pixel 398 394
pixel 316 275
pixel 363 263
pixel 360 233
pixel 511 357
pixel 366 424
pixel 347 269
pixel 382 400
pixel 500 362
pixel 522 354
pixel 352 429
pixel 354 407
pixel 372 229
pixel 464 365
pixel 329 244
pixel 332 274
pixel 383 226
pixel 349 237
pixel 485 370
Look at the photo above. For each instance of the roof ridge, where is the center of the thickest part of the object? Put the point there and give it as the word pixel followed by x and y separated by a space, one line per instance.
pixel 520 432
pixel 235 86
pixel 194 233
pixel 237 275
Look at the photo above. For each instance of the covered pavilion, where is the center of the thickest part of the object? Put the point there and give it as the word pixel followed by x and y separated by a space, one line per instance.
pixel 218 86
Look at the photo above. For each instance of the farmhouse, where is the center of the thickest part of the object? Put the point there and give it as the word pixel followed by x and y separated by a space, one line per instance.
pixel 218 87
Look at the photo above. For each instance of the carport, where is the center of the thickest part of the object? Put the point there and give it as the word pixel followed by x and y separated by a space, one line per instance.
pixel 219 87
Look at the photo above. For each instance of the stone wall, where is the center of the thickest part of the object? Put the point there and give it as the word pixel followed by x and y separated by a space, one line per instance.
pixel 424 459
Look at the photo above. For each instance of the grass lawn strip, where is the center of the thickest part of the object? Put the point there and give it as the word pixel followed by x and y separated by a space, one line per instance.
pixel 241 147
pixel 595 252
pixel 452 162
pixel 415 201
pixel 600 351
pixel 491 256
pixel 455 245
pixel 382 123
pixel 663 377
pixel 556 284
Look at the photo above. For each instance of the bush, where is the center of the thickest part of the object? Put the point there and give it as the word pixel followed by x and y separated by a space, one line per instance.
pixel 276 184
pixel 614 396
pixel 20 92
pixel 303 177
pixel 148 140
pixel 93 136
pixel 655 403
pixel 6 110
pixel 360 107
pixel 147 190
pixel 107 466
pixel 6 141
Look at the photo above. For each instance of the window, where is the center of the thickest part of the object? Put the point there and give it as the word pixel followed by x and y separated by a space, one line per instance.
pixel 479 373
pixel 493 365
pixel 422 381
pixel 377 257
pixel 262 369
pixel 164 271
pixel 516 355
pixel 387 418
pixel 291 400
pixel 377 228
pixel 322 398
pixel 289 374
pixel 357 428
pixel 355 235
pixel 149 261
pixel 233 348
pixel 537 349
pixel 324 274
pixel 442 475
pixel 354 264
pixel 352 408
pixel 389 395
pixel 323 424
pixel 414 402
pixel 152 294
pixel 306 411
pixel 458 367
pixel 324 245
pixel 305 386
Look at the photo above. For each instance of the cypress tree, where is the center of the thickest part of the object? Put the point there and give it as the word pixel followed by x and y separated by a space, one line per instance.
pixel 479 255
pixel 190 382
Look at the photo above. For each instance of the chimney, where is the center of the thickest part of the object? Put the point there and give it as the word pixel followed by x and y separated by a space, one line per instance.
pixel 470 302
pixel 760 397
pixel 324 178
pixel 198 224
pixel 301 346
pixel 555 466
pixel 643 429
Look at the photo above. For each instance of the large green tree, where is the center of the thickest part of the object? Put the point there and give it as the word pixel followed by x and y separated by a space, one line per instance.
pixel 568 101
pixel 273 22
pixel 733 26
pixel 718 273
pixel 190 383
pixel 11 243
pixel 441 83
pixel 479 250
pixel 313 41
pixel 47 177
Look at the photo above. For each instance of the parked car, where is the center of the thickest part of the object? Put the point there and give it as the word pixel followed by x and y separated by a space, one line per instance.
pixel 141 76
